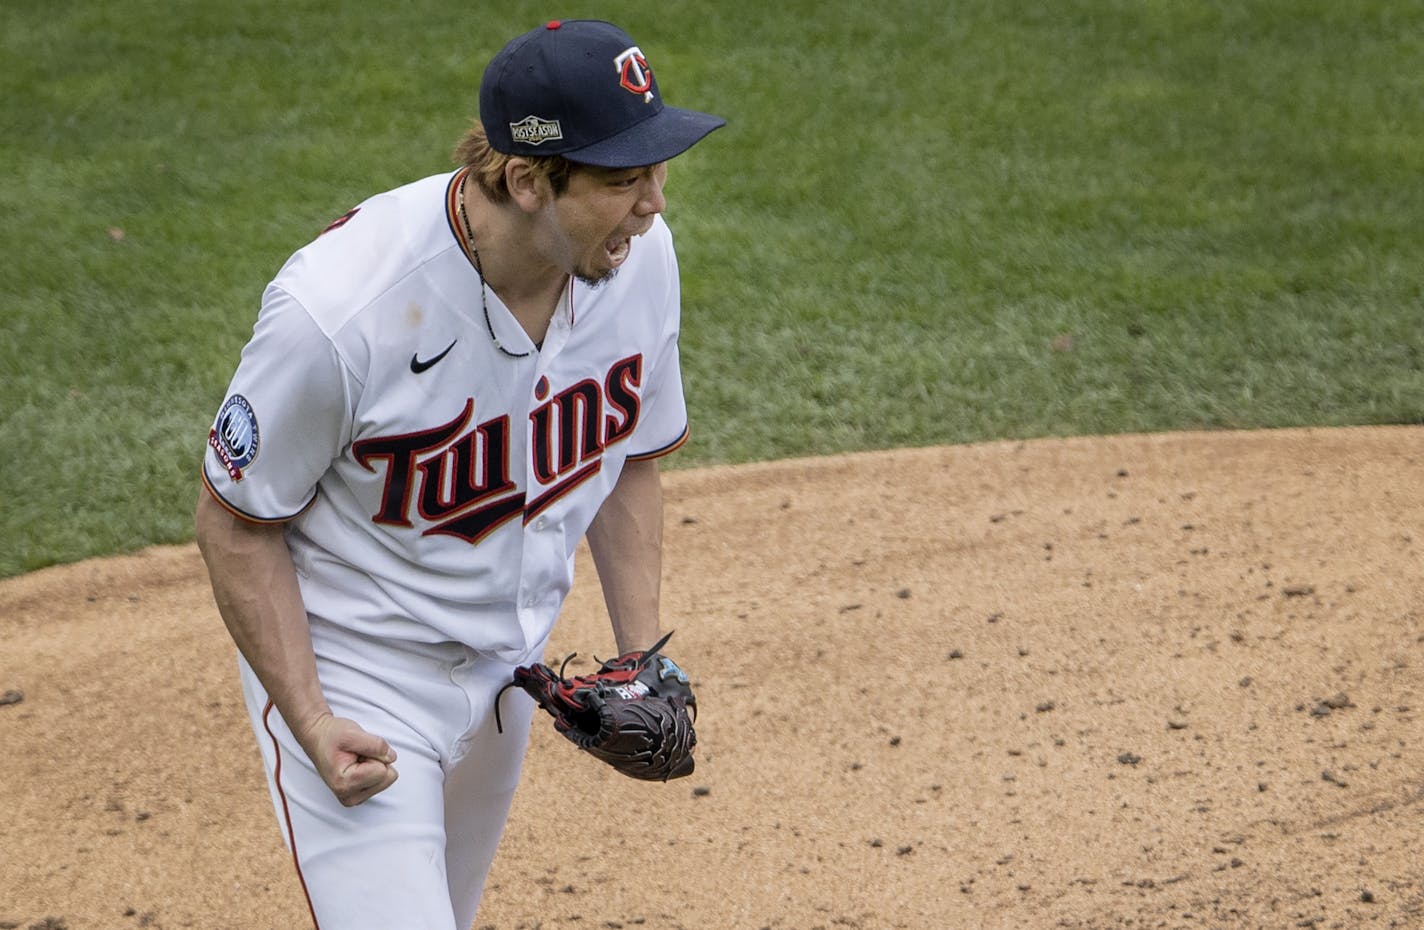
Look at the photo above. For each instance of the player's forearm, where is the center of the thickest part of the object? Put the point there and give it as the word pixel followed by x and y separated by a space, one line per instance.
pixel 255 587
pixel 626 540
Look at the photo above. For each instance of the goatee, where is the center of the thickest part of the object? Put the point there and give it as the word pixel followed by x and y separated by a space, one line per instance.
pixel 599 281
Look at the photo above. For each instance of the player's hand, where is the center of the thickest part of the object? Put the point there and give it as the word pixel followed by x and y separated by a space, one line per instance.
pixel 355 765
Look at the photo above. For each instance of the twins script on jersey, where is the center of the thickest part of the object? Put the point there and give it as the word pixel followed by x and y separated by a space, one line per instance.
pixel 373 411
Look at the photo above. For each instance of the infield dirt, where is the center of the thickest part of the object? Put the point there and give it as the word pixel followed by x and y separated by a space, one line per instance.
pixel 1138 682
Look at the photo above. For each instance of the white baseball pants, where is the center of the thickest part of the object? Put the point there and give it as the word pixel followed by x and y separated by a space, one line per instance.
pixel 416 855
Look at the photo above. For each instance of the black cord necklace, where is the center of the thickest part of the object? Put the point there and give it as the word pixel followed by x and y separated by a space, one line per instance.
pixel 479 270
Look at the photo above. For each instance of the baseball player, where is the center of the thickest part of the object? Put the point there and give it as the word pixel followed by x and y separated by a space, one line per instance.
pixel 444 393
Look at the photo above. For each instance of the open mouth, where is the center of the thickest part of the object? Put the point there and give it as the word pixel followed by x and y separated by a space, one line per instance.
pixel 618 249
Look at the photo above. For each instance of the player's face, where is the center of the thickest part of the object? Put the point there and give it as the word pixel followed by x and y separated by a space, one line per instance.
pixel 601 213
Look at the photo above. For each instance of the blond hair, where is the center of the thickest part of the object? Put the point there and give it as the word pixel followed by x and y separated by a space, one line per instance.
pixel 487 165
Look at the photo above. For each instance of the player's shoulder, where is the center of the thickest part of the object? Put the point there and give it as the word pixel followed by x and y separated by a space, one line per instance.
pixel 644 291
pixel 660 234
pixel 654 249
pixel 362 253
pixel 410 201
pixel 404 219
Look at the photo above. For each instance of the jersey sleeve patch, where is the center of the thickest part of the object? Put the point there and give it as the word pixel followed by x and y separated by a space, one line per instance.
pixel 235 436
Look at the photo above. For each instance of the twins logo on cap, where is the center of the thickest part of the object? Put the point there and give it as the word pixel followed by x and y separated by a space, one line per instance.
pixel 634 73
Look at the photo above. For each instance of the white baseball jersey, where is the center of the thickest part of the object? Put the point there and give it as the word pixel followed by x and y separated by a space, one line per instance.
pixel 436 486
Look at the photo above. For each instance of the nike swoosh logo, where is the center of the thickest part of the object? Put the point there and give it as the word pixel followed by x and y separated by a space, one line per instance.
pixel 417 366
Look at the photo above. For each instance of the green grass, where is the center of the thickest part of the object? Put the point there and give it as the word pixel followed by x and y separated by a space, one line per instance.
pixel 927 222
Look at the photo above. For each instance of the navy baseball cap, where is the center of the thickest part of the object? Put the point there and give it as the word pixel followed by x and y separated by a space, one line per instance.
pixel 582 89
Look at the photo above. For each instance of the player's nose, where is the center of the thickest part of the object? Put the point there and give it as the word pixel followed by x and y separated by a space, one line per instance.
pixel 651 199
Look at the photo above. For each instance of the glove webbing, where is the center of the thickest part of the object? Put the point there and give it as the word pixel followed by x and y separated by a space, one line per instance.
pixel 641 664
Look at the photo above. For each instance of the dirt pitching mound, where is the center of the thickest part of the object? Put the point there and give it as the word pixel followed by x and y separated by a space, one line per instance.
pixel 1146 681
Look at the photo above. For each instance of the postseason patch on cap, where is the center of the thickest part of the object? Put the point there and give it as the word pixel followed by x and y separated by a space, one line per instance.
pixel 234 436
pixel 534 131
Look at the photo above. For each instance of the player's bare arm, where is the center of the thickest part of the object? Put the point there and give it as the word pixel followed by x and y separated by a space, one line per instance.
pixel 255 586
pixel 626 540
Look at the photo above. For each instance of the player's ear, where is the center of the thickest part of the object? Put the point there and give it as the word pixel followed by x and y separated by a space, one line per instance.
pixel 529 189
